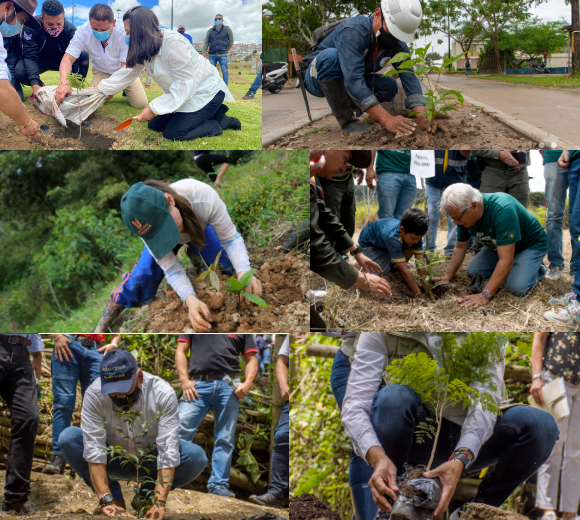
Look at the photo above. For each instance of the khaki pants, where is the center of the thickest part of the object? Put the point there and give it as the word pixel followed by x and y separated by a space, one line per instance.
pixel 135 92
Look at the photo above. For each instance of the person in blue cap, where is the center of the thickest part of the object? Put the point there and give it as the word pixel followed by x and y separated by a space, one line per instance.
pixel 167 216
pixel 123 386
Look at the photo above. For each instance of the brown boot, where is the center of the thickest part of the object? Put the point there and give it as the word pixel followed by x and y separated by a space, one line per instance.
pixel 110 314
pixel 20 508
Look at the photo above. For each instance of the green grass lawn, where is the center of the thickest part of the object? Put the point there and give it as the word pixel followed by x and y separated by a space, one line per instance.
pixel 541 80
pixel 248 112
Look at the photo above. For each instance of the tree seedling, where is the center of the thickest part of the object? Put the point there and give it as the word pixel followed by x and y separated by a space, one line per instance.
pixel 233 285
pixel 211 271
pixel 444 380
pixel 436 104
pixel 140 454
pixel 78 82
pixel 431 262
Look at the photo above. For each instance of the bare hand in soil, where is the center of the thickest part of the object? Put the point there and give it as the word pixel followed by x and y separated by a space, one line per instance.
pixel 424 124
pixel 255 287
pixel 115 510
pixel 449 473
pixel 374 283
pixel 439 279
pixel 536 391
pixel 32 130
pixel 242 391
pixel 506 157
pixel 473 300
pixel 384 482
pixel 367 264
pixel 144 116
pixel 189 391
pixel 197 311
pixel 155 513
pixel 61 350
pixel 400 124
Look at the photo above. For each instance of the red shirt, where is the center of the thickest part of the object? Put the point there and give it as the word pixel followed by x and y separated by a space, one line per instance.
pixel 94 337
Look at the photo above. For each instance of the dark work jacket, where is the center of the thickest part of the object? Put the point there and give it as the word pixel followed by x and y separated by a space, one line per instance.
pixel 456 170
pixel 324 260
pixel 34 40
pixel 218 42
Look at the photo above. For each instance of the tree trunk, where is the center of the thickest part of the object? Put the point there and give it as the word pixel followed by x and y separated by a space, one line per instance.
pixel 495 40
pixel 327 351
pixel 292 365
pixel 439 421
pixel 575 37
pixel 277 401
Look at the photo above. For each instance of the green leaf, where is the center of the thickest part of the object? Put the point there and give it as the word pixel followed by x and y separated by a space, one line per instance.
pixel 234 285
pixel 407 64
pixel 246 278
pixel 313 482
pixel 215 280
pixel 216 261
pixel 397 58
pixel 391 72
pixel 255 299
pixel 203 275
pixel 453 59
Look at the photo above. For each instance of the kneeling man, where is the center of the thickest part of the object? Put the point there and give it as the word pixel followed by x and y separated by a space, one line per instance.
pixel 514 242
pixel 122 386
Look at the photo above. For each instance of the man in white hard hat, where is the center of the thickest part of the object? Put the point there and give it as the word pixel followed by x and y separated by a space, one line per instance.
pixel 343 67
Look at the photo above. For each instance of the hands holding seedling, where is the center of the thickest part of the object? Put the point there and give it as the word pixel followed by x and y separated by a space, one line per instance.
pixel 254 287
pixel 449 473
pixel 198 312
pixel 157 511
pixel 114 510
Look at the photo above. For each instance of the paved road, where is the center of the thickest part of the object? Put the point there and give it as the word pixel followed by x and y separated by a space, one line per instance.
pixel 554 111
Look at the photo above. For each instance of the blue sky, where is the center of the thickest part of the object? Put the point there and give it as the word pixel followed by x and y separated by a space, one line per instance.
pixel 243 16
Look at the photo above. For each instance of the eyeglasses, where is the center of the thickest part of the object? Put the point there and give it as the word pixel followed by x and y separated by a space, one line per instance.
pixel 218 19
pixel 460 217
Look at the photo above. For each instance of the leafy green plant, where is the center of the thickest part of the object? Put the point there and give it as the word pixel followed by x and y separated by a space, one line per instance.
pixel 430 264
pixel 141 453
pixel 211 271
pixel 78 82
pixel 436 103
pixel 233 285
pixel 444 380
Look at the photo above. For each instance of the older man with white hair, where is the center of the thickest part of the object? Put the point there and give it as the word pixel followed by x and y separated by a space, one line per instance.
pixel 514 242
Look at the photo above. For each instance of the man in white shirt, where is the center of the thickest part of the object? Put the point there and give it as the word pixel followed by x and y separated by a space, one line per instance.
pixel 382 426
pixel 123 386
pixel 105 43
pixel 18 388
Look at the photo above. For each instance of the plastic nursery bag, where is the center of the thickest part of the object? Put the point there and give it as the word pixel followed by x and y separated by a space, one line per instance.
pixel 423 163
pixel 90 99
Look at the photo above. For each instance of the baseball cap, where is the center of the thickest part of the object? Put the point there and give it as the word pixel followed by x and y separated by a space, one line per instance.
pixel 146 214
pixel 360 158
pixel 29 6
pixel 117 370
pixel 181 27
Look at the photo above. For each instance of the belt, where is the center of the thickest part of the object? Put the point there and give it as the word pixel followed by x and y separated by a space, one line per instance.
pixel 15 340
pixel 212 377
pixel 86 342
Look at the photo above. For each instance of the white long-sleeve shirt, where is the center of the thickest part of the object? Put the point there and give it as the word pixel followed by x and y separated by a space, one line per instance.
pixel 4 73
pixel 107 59
pixel 188 80
pixel 210 210
pixel 366 373
pixel 99 423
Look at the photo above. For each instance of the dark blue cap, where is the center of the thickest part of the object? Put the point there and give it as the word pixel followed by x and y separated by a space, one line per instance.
pixel 117 370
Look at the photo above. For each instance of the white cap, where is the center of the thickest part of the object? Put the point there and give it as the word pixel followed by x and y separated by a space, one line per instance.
pixel 403 18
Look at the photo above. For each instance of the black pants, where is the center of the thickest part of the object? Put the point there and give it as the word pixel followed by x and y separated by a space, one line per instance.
pixel 185 126
pixel 80 66
pixel 281 457
pixel 207 161
pixel 18 390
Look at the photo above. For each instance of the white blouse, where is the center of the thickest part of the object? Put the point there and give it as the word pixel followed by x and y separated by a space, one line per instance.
pixel 188 80
pixel 4 74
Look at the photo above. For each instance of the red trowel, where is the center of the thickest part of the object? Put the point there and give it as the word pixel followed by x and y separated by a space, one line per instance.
pixel 124 124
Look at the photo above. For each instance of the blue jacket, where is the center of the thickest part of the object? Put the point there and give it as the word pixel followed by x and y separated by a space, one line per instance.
pixel 355 42
pixel 456 170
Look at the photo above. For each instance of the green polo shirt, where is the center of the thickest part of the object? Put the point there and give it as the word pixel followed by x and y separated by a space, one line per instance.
pixel 505 221
pixel 574 154
pixel 551 156
pixel 393 161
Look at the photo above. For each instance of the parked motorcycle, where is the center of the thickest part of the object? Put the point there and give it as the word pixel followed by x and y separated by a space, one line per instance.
pixel 540 69
pixel 274 76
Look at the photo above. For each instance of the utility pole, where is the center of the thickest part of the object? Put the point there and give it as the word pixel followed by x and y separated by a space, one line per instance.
pixel 172 15
pixel 118 14
pixel 73 13
pixel 448 36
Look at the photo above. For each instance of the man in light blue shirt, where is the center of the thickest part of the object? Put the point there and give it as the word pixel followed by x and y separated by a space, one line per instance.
pixel 18 388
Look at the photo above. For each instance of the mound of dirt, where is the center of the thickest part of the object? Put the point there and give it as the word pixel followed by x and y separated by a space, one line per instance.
pixel 485 512
pixel 99 136
pixel 62 497
pixel 284 286
pixel 309 507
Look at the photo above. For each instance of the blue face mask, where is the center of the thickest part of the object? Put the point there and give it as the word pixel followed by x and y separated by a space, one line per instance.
pixel 101 36
pixel 217 22
pixel 127 40
pixel 10 30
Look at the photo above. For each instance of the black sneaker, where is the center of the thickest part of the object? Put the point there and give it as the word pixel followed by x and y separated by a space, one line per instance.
pixel 267 499
pixel 249 95
pixel 20 508
pixel 55 466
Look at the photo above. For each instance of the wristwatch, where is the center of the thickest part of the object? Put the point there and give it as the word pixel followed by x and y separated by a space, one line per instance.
pixel 356 251
pixel 106 500
pixel 486 294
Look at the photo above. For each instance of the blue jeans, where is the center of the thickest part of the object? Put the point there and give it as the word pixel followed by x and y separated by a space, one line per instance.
pixel 526 272
pixel 467 71
pixel 223 61
pixel 380 256
pixel 433 198
pixel 396 193
pixel 522 440
pixel 574 220
pixel 84 368
pixel 220 396
pixel 556 189
pixel 257 83
pixel 281 456
pixel 193 460
pixel 327 67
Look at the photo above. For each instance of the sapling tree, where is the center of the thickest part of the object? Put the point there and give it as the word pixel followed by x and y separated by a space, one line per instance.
pixel 429 264
pixel 233 285
pixel 420 67
pixel 138 456
pixel 211 271
pixel 78 82
pixel 448 378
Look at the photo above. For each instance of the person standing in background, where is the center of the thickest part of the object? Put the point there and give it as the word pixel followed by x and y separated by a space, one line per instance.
pixel 181 30
pixel 218 41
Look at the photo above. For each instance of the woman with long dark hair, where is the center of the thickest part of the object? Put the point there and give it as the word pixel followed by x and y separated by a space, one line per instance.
pixel 166 216
pixel 192 104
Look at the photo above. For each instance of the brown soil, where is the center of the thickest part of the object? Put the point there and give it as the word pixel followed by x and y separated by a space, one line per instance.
pixel 284 286
pixel 410 491
pixel 465 133
pixel 310 507
pixel 100 136
pixel 485 512
pixel 59 496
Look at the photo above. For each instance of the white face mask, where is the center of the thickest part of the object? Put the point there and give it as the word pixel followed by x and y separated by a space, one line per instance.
pixel 8 30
